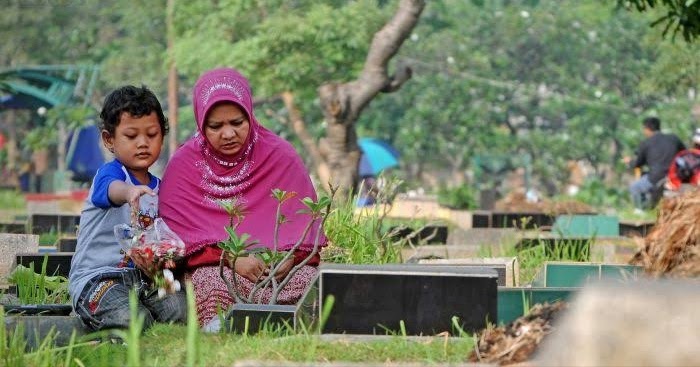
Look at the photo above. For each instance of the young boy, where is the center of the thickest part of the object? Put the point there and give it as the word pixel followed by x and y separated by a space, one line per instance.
pixel 133 127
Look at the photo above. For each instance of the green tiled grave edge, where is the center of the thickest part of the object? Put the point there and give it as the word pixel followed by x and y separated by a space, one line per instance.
pixel 587 226
pixel 576 274
pixel 511 299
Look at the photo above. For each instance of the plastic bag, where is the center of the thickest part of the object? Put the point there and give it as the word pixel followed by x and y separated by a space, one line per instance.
pixel 155 250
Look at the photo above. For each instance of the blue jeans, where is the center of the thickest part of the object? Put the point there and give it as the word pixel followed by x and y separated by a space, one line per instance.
pixel 641 191
pixel 104 302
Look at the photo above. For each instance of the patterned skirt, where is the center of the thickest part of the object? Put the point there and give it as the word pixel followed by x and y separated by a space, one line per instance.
pixel 212 296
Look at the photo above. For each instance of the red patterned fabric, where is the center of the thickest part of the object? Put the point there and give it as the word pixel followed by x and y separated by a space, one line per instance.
pixel 211 295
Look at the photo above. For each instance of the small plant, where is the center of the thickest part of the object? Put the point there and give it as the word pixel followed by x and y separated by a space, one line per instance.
pixel 358 236
pixel 461 197
pixel 38 288
pixel 237 246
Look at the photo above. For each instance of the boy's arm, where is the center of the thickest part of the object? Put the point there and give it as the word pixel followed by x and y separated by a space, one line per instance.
pixel 120 193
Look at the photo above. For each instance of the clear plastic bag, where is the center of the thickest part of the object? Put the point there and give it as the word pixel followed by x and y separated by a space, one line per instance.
pixel 156 251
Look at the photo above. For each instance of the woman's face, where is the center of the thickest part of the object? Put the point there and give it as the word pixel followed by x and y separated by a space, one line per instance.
pixel 226 128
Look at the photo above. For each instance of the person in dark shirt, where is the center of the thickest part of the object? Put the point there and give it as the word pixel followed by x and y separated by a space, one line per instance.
pixel 657 153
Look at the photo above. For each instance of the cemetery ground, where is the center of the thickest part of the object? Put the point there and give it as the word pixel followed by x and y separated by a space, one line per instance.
pixel 535 267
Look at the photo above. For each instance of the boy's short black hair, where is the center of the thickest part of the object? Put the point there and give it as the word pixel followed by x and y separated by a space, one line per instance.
pixel 136 101
pixel 652 123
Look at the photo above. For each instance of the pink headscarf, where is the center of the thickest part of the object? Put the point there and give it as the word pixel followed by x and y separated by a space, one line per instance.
pixel 197 177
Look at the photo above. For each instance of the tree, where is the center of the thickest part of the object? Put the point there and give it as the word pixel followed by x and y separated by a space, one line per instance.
pixel 681 16
pixel 342 103
pixel 289 49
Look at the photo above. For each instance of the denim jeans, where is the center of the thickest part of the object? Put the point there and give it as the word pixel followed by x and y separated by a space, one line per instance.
pixel 104 302
pixel 641 191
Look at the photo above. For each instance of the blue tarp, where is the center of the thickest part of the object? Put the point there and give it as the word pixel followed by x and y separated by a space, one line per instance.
pixel 87 156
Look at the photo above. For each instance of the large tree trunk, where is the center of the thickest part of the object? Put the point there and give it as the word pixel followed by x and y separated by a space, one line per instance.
pixel 342 103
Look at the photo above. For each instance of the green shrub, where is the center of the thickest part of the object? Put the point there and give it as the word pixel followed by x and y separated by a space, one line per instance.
pixel 461 197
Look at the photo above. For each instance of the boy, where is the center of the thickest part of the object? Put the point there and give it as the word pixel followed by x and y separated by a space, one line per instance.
pixel 133 127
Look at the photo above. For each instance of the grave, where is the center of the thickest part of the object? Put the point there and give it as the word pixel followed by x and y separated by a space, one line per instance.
pixel 11 245
pixel 59 223
pixel 58 263
pixel 37 327
pixel 636 228
pixel 513 302
pixel 519 220
pixel 577 274
pixel 506 267
pixel 16 227
pixel 420 299
pixel 251 318
pixel 586 226
pixel 67 244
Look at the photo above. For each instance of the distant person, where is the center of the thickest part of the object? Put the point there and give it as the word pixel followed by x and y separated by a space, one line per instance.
pixel 685 168
pixel 657 153
pixel 133 127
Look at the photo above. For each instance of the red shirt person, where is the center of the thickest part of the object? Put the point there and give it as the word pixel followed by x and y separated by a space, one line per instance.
pixel 685 168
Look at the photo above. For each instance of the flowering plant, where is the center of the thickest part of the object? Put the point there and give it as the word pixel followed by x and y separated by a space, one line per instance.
pixel 155 250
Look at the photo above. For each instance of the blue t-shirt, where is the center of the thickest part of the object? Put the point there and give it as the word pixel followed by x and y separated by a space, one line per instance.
pixel 97 250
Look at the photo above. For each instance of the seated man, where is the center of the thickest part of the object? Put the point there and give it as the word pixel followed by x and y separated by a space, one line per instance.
pixel 685 168
pixel 656 152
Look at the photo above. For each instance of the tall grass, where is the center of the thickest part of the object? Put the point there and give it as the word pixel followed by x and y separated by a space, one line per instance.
pixel 531 259
pixel 38 288
pixel 357 235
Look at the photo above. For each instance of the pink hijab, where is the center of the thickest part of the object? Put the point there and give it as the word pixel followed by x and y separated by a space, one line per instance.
pixel 197 177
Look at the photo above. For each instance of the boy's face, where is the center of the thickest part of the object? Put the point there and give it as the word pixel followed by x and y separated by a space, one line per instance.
pixel 136 142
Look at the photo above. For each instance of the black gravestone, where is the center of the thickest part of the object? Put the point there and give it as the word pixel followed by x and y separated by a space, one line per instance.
pixel 67 244
pixel 13 227
pixel 375 299
pixel 251 318
pixel 481 219
pixel 58 263
pixel 59 223
pixel 521 220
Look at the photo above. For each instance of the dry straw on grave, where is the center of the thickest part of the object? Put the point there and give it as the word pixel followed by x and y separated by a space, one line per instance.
pixel 672 248
pixel 515 342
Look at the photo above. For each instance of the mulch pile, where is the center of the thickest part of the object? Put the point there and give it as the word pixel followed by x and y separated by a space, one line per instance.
pixel 517 202
pixel 672 248
pixel 515 342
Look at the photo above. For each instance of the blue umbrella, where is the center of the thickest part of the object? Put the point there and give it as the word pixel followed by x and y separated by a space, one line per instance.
pixel 377 155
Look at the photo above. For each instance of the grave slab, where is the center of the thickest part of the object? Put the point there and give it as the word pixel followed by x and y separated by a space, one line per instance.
pixel 67 244
pixel 36 328
pixel 58 263
pixel 482 236
pixel 636 228
pixel 15 227
pixel 376 299
pixel 11 245
pixel 506 267
pixel 59 223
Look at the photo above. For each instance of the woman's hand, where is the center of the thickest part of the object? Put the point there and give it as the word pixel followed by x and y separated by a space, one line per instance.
pixel 284 269
pixel 250 268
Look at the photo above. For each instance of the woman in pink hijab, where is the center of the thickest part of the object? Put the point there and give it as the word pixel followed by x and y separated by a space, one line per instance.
pixel 232 157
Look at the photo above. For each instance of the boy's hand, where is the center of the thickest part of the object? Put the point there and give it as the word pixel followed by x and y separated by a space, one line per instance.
pixel 250 268
pixel 134 193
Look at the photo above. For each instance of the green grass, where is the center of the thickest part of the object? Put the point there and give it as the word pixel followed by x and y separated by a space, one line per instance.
pixel 531 259
pixel 165 345
pixel 10 199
